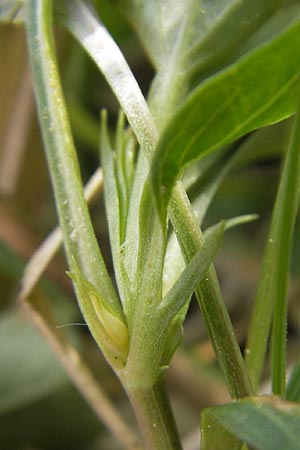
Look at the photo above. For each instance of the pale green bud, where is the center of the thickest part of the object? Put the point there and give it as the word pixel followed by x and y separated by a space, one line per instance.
pixel 111 329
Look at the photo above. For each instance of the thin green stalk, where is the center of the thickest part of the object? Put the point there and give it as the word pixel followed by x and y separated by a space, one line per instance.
pixel 288 197
pixel 210 299
pixel 79 238
pixel 271 298
pixel 155 417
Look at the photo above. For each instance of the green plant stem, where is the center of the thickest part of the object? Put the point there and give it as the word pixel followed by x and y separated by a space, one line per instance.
pixel 79 238
pixel 210 300
pixel 288 197
pixel 155 417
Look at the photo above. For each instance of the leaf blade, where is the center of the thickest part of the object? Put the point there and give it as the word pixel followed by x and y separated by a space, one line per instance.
pixel 271 297
pixel 79 237
pixel 247 104
pixel 194 271
pixel 267 423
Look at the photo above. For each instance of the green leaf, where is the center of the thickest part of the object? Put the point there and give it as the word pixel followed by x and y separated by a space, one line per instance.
pixel 12 11
pixel 185 39
pixel 180 293
pixel 164 25
pixel 174 305
pixel 244 26
pixel 147 241
pixel 125 169
pixel 79 237
pixel 240 220
pixel 112 200
pixel 259 89
pixel 151 249
pixel 266 423
pixel 118 172
pixel 215 436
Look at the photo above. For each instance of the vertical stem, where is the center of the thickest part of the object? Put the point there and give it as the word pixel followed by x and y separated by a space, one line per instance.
pixel 271 297
pixel 209 297
pixel 79 236
pixel 155 417
pixel 288 197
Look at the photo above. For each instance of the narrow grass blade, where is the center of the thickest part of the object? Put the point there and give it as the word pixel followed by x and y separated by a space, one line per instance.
pixel 125 169
pixel 199 264
pixel 287 204
pixel 272 289
pixel 79 238
pixel 293 387
pixel 174 306
pixel 192 274
pixel 112 200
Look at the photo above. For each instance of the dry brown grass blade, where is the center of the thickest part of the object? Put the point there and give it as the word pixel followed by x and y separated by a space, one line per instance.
pixel 15 139
pixel 47 250
pixel 79 373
